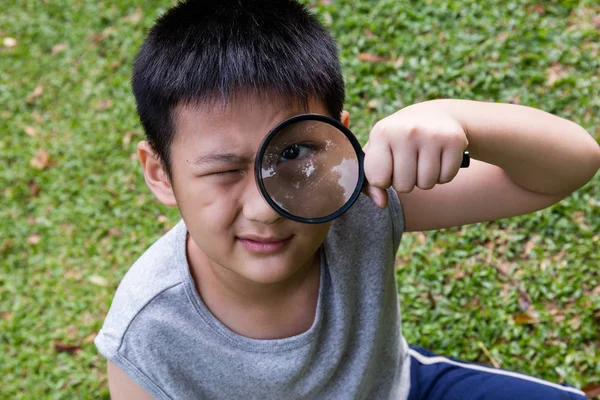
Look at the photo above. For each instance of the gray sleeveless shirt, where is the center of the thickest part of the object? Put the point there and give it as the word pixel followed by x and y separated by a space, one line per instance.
pixel 162 335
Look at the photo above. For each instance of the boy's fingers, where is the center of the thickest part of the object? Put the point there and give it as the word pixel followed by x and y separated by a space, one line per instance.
pixel 428 172
pixel 379 196
pixel 405 169
pixel 378 164
pixel 451 161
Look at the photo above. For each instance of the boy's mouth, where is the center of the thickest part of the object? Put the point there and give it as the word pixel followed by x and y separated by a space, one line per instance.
pixel 264 245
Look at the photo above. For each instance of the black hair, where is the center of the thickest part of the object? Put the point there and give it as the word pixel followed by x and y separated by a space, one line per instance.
pixel 202 51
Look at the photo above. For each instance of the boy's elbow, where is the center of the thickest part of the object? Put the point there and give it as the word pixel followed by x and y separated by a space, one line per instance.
pixel 589 159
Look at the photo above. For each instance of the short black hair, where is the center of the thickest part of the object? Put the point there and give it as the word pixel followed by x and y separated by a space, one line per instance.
pixel 200 51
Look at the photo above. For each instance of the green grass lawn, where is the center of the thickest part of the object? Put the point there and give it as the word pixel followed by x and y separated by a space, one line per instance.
pixel 75 213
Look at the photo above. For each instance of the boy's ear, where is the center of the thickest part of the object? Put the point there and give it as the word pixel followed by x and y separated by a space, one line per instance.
pixel 156 178
pixel 345 118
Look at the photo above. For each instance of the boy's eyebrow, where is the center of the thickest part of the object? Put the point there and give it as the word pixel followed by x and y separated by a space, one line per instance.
pixel 221 158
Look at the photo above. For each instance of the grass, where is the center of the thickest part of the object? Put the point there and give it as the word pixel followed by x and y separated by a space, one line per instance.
pixel 522 293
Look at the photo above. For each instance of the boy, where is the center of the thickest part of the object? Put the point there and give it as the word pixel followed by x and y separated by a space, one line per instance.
pixel 237 302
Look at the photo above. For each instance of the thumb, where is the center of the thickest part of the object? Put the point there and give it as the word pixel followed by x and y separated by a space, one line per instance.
pixel 379 196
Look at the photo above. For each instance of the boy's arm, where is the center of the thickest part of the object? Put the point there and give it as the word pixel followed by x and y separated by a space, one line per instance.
pixel 524 160
pixel 122 387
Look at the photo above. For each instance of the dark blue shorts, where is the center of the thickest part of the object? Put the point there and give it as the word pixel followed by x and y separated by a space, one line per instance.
pixel 433 377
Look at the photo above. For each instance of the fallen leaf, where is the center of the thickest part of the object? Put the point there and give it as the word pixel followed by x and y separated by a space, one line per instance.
pixel 41 160
pixel 554 73
pixel 502 36
pixel 34 189
pixel 373 104
pixel 98 280
pixel 399 62
pixel 371 57
pixel 539 8
pixel 595 291
pixel 9 42
pixel 114 232
pixel 134 17
pixel 503 267
pixel 368 33
pixel 59 48
pixel 530 245
pixel 37 92
pixel 514 100
pixel 90 338
pixel 30 131
pixel 66 348
pixel 591 390
pixel 525 318
pixel 525 300
pixel 575 322
pixel 34 239
pixel 6 315
pixel 421 237
pixel 596 21
pixel 126 140
pixel 104 104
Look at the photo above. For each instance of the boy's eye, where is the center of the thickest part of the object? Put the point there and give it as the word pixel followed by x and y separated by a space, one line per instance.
pixel 228 172
pixel 295 152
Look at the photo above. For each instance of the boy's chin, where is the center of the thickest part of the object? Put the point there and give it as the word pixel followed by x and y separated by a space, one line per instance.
pixel 270 272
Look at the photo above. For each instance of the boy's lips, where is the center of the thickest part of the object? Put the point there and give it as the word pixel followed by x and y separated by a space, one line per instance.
pixel 263 244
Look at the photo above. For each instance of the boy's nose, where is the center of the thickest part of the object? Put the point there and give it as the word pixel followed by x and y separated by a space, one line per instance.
pixel 255 208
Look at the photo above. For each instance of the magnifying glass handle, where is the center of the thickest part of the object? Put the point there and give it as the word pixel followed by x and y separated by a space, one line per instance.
pixel 466 161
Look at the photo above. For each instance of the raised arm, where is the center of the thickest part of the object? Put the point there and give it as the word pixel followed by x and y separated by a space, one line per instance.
pixel 524 160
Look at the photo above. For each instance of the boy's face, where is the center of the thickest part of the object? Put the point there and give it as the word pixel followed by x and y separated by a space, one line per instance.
pixel 212 161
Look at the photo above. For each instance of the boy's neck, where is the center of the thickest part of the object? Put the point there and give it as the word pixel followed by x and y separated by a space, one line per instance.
pixel 253 310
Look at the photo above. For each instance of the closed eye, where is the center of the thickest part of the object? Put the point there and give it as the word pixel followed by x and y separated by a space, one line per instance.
pixel 231 171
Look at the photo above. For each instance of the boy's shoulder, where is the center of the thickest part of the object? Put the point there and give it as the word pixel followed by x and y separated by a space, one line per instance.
pixel 155 272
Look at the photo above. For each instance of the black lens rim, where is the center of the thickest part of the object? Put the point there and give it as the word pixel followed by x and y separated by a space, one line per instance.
pixel 310 117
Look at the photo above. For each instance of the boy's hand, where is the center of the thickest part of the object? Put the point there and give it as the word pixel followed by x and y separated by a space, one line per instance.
pixel 418 146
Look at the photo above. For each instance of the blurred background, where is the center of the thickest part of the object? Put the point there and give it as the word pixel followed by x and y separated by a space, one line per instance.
pixel 521 294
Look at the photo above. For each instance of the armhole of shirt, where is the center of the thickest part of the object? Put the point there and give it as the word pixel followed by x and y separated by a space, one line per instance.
pixel 139 377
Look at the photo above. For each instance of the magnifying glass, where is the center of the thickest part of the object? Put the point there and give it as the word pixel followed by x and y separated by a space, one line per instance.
pixel 310 168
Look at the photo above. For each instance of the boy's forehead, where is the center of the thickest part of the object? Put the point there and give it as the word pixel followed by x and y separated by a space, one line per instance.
pixel 249 116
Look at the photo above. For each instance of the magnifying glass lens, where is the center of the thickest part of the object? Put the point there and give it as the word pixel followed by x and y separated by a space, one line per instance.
pixel 310 169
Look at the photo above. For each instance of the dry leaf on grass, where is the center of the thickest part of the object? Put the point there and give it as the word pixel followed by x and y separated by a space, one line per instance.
pixel 34 239
pixel 59 48
pixel 30 131
pixel 555 72
pixel 9 42
pixel 98 280
pixel 41 160
pixel 525 318
pixel 591 390
pixel 90 338
pixel 104 104
pixel 135 17
pixel 37 92
pixel 368 57
pixel 66 348
pixel 34 189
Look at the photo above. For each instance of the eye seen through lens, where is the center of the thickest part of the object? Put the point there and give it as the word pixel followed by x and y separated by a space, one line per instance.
pixel 310 169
